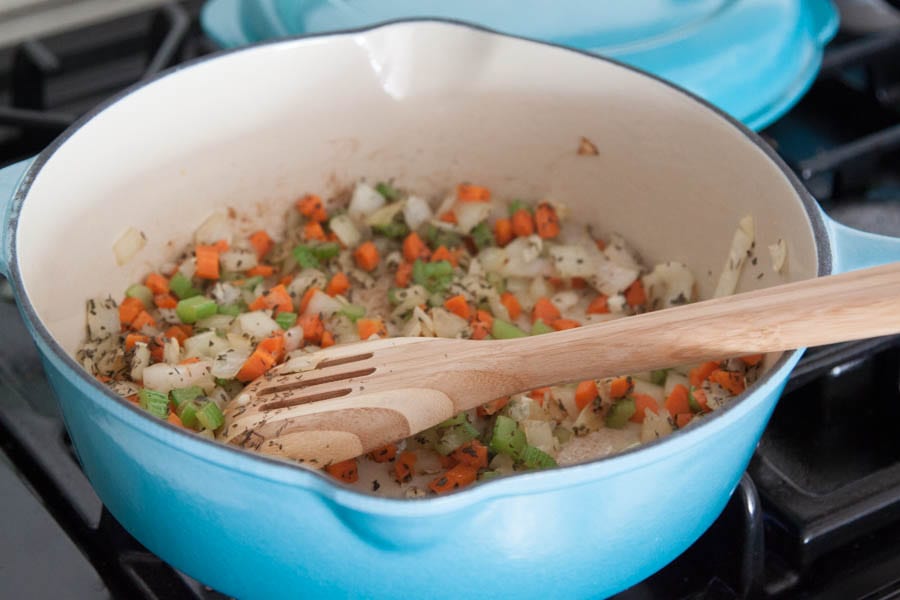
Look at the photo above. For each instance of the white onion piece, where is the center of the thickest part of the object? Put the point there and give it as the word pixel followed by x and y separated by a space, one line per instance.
pixel 216 322
pixel 384 215
pixel 225 293
pixel 616 303
pixel 219 396
pixel 293 338
pixel 565 395
pixel 737 254
pixel 322 304
pixel 621 253
pixel 128 244
pixel 649 389
pixel 492 259
pixel 497 307
pixel 165 378
pixel 206 344
pixel 258 324
pixel 538 289
pixel 365 201
pixel 574 261
pixel 171 351
pixel 216 227
pixel 778 254
pixel 102 318
pixel 610 277
pixel 539 434
pixel 415 212
pixel 188 267
pixel 306 279
pixel 446 324
pixel 235 340
pixel 409 298
pixel 227 363
pixel 565 300
pixel 238 260
pixel 674 378
pixel 669 284
pixel 345 230
pixel 656 426
pixel 140 360
pixel 470 214
pixel 425 322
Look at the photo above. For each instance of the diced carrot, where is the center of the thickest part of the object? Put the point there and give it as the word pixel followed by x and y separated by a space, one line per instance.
pixel 579 283
pixel 678 401
pixel 557 282
pixel 442 253
pixel 752 360
pixel 414 247
pixel 458 306
pixel 699 374
pixel 682 419
pixel 544 310
pixel 103 378
pixel 261 270
pixel 473 453
pixel 185 328
pixel 635 294
pixel 287 279
pixel 261 242
pixel 482 324
pixel 384 454
pixel 221 246
pixel 509 300
pixel 404 274
pixel 366 328
pixel 207 262
pixel 176 333
pixel 458 477
pixel 312 231
pixel 546 221
pixel 539 394
pixel 366 256
pixel 466 192
pixel 643 403
pixel 338 285
pixel 143 320
pixel 448 217
pixel 307 296
pixel 730 380
pixel 332 237
pixel 561 324
pixel 447 462
pixel 621 387
pixel 129 309
pixel 133 398
pixel 585 393
pixel 274 345
pixel 165 301
pixel 492 407
pixel 522 223
pixel 157 283
pixel 174 419
pixel 601 245
pixel 255 366
pixel 346 471
pixel 503 232
pixel 700 396
pixel 189 361
pixel 313 328
pixel 403 467
pixel 156 353
pixel 327 339
pixel 598 305
pixel 312 207
pixel 277 299
pixel 133 338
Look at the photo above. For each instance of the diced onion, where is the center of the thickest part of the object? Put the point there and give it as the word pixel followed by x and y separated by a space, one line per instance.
pixel 446 324
pixel 470 214
pixel 128 244
pixel 737 254
pixel 611 278
pixel 384 215
pixel 215 322
pixel 205 345
pixel 140 360
pixel 322 304
pixel 188 267
pixel 225 293
pixel 343 227
pixel 669 284
pixel 102 318
pixel 258 324
pixel 574 261
pixel 293 338
pixel 227 363
pixel 621 253
pixel 238 260
pixel 164 378
pixel 216 227
pixel 655 426
pixel 539 434
pixel 171 351
pixel 415 212
pixel 778 253
pixel 365 201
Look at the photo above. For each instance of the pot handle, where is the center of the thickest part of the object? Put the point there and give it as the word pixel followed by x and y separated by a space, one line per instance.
pixel 854 249
pixel 9 183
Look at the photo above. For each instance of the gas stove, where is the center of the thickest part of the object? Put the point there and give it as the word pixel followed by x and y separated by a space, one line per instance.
pixel 817 514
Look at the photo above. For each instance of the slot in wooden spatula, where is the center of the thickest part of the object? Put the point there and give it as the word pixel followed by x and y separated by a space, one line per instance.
pixel 347 400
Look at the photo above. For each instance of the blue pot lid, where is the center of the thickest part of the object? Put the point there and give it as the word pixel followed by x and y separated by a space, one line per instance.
pixel 752 58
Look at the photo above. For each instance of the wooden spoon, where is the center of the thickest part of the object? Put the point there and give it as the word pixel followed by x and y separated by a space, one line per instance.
pixel 347 400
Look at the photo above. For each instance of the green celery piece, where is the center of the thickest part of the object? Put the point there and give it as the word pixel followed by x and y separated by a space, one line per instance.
pixel 620 412
pixel 692 402
pixel 232 310
pixel 251 282
pixel 540 327
pixel 326 250
pixel 507 438
pixel 535 458
pixel 210 416
pixel 353 311
pixel 436 300
pixel 286 320
pixel 441 237
pixel 433 276
pixel 458 419
pixel 182 395
pixel 482 235
pixel 191 310
pixel 155 403
pixel 489 475
pixel 497 281
pixel 387 191
pixel 504 330
pixel 305 257
pixel 187 412
pixel 142 293
pixel 454 437
pixel 659 376
pixel 394 230
pixel 517 205
pixel 182 287
pixel 396 296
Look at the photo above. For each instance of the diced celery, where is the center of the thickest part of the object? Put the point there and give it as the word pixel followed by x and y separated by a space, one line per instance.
pixel 504 330
pixel 434 276
pixel 210 416
pixel 692 402
pixel 441 237
pixel 517 205
pixel 620 412
pixel 458 419
pixel 659 376
pixel 182 287
pixel 454 437
pixel 191 310
pixel 187 412
pixel 507 438
pixel 353 311
pixel 155 403
pixel 182 395
pixel 286 320
pixel 535 458
pixel 387 191
pixel 393 230
pixel 232 310
pixel 540 327
pixel 497 281
pixel 305 257
pixel 251 282
pixel 326 251
pixel 482 235
pixel 142 293
pixel 488 475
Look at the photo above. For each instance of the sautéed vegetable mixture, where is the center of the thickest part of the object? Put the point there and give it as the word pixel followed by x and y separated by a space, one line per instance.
pixel 381 262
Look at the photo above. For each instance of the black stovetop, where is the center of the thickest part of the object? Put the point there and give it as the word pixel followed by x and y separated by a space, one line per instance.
pixel 817 515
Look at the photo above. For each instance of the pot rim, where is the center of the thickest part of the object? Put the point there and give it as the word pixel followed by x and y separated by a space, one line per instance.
pixel 283 471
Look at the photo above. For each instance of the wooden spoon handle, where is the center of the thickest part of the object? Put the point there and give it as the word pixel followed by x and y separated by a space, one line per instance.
pixel 824 310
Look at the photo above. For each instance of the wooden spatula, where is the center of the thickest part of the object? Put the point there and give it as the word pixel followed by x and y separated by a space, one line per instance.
pixel 347 400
